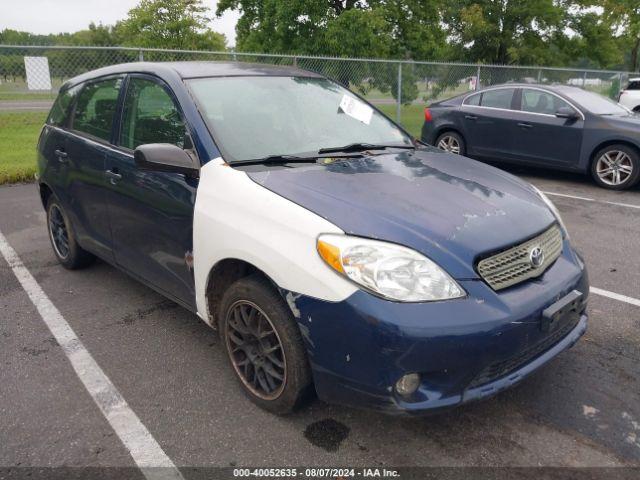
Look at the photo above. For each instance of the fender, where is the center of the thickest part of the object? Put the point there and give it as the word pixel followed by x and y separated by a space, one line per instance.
pixel 235 218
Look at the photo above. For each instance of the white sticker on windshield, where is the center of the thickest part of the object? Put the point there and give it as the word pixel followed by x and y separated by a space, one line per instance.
pixel 356 109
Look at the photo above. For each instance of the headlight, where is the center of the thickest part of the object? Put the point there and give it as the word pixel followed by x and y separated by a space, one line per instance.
pixel 554 210
pixel 388 270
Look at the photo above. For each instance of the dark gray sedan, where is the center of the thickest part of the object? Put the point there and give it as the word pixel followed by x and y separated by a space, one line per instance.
pixel 558 127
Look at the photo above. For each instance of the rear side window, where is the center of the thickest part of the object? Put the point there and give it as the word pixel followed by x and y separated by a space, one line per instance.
pixel 96 108
pixel 60 110
pixel 634 85
pixel 500 98
pixel 150 116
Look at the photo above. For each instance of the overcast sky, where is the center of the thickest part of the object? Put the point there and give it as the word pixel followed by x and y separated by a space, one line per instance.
pixel 55 16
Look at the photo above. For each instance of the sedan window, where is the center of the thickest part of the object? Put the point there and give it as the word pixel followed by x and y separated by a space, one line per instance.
pixel 500 98
pixel 96 107
pixel 473 100
pixel 150 116
pixel 538 101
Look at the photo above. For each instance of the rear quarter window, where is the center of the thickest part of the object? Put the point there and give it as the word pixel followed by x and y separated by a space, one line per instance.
pixel 59 113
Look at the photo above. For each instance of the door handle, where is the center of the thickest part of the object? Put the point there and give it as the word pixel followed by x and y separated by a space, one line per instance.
pixel 470 117
pixel 113 175
pixel 525 125
pixel 61 154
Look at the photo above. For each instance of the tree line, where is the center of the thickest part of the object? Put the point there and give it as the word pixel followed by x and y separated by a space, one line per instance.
pixel 575 33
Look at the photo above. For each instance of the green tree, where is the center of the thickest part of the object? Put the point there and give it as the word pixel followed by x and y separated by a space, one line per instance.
pixel 178 24
pixel 506 31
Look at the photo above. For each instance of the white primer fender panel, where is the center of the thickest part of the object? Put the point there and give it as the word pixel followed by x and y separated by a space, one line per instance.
pixel 236 218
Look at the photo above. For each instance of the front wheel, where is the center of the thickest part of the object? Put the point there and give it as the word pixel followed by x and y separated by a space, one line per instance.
pixel 616 167
pixel 264 345
pixel 451 142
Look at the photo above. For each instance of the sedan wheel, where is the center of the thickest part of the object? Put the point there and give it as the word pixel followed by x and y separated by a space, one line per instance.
pixel 614 168
pixel 451 142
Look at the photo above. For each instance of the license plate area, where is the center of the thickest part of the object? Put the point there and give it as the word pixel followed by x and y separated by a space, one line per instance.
pixel 559 313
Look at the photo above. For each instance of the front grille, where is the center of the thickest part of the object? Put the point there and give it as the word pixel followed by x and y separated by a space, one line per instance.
pixel 505 367
pixel 513 265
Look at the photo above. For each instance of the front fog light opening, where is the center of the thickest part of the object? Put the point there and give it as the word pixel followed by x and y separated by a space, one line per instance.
pixel 408 384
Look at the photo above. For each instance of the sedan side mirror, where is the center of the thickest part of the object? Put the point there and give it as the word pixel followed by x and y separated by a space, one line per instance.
pixel 164 157
pixel 566 112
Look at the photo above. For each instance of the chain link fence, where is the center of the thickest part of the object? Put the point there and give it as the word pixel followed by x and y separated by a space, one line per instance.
pixel 30 77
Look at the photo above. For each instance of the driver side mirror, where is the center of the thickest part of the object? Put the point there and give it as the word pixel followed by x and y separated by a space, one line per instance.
pixel 165 157
pixel 567 112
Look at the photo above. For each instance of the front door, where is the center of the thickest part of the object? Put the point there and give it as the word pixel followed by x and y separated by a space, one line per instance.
pixel 151 213
pixel 543 138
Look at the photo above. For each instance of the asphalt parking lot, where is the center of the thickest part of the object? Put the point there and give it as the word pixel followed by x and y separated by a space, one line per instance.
pixel 581 410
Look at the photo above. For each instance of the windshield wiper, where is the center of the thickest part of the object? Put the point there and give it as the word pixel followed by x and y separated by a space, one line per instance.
pixel 278 159
pixel 361 147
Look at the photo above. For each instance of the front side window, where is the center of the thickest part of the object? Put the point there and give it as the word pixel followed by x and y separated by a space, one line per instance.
pixel 473 100
pixel 96 108
pixel 150 116
pixel 537 101
pixel 254 117
pixel 59 111
pixel 500 98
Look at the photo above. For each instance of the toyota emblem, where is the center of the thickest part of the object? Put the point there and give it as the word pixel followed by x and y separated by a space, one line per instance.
pixel 536 257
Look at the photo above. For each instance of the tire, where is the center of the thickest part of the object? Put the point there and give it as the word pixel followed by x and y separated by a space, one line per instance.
pixel 249 307
pixel 616 167
pixel 451 142
pixel 63 240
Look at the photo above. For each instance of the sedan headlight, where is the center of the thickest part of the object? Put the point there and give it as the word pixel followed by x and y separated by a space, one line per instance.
pixel 554 210
pixel 388 270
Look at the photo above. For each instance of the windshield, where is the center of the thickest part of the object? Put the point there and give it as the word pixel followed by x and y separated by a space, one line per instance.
pixel 595 103
pixel 255 117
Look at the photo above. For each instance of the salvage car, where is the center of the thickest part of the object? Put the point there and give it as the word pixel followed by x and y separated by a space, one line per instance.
pixel 557 126
pixel 335 254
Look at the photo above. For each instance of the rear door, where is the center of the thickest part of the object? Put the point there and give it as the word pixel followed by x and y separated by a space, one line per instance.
pixel 87 142
pixel 488 119
pixel 151 213
pixel 540 136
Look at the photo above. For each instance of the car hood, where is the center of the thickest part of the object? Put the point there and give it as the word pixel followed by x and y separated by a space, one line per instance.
pixel 631 120
pixel 450 208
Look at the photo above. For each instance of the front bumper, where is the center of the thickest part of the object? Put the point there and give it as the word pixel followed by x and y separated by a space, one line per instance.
pixel 464 349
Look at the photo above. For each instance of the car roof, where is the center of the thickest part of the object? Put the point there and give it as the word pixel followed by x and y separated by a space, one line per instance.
pixel 558 88
pixel 194 70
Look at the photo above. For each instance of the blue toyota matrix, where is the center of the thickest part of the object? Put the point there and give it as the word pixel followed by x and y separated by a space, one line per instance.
pixel 336 255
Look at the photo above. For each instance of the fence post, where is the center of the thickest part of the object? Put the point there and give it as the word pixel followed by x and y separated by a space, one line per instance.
pixel 478 78
pixel 295 61
pixel 140 56
pixel 539 75
pixel 399 96
pixel 584 79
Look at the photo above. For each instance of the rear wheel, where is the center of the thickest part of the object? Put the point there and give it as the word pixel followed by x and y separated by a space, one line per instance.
pixel 451 142
pixel 264 345
pixel 616 167
pixel 63 240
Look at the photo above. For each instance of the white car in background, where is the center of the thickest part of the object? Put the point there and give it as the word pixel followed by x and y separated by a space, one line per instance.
pixel 630 96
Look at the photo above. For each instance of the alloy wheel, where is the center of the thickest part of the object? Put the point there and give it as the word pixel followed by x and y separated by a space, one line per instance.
pixel 255 350
pixel 58 232
pixel 614 167
pixel 449 144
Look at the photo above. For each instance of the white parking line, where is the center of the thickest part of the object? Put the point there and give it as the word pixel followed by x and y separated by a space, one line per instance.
pixel 144 449
pixel 587 199
pixel 615 296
